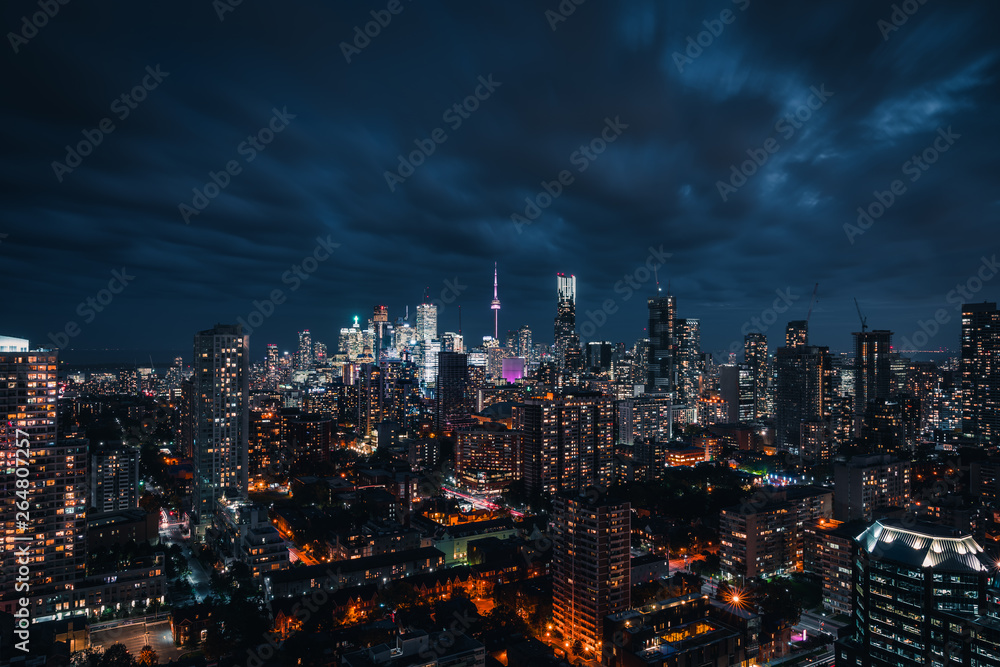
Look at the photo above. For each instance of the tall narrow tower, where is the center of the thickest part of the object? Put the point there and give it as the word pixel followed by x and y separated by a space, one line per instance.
pixel 495 305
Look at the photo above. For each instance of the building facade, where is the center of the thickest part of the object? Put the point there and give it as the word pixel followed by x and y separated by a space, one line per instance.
pixel 590 566
pixel 221 419
pixel 980 368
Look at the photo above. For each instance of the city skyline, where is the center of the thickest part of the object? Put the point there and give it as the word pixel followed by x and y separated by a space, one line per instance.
pixel 688 115
pixel 657 333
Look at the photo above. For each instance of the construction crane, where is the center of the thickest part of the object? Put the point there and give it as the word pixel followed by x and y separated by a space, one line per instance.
pixel 864 320
pixel 812 303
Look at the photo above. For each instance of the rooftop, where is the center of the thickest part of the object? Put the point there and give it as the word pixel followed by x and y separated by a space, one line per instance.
pixel 923 545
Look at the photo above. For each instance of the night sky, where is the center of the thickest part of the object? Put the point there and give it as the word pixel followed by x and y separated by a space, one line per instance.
pixel 869 94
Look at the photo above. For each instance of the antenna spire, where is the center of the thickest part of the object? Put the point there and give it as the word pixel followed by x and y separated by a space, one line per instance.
pixel 495 306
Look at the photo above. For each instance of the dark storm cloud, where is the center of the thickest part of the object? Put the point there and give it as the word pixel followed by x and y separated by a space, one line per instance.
pixel 655 185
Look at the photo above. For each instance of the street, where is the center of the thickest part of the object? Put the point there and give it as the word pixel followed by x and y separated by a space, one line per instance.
pixel 134 637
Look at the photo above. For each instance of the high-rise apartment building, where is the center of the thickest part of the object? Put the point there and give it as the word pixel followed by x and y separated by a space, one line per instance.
pixel 755 356
pixel 980 368
pixel 765 536
pixel 567 442
pixel 590 567
pixel 49 537
pixel 114 478
pixel 866 484
pixel 828 547
pixel 487 457
pixel 221 418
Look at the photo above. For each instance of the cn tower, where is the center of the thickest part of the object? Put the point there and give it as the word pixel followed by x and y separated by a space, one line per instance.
pixel 495 305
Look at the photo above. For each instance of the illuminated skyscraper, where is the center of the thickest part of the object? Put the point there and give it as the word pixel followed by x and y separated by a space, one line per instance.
pixel 688 363
pixel 662 351
pixel 453 401
pixel 565 322
pixel 380 327
pixel 452 342
pixel 872 376
pixel 273 365
pixel 305 350
pixel 221 418
pixel 755 354
pixel 924 596
pixel 524 346
pixel 54 534
pixel 803 392
pixel 980 367
pixel 427 328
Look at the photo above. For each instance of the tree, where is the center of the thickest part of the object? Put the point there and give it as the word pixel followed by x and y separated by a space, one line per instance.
pixel 147 657
pixel 117 655
pixel 90 657
pixel 215 645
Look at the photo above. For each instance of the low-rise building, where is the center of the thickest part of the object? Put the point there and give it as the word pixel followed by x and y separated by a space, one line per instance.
pixel 420 648
pixel 675 632
pixel 378 570
pixel 242 533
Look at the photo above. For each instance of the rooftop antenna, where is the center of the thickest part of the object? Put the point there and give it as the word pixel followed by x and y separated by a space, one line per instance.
pixel 657 277
pixel 460 320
